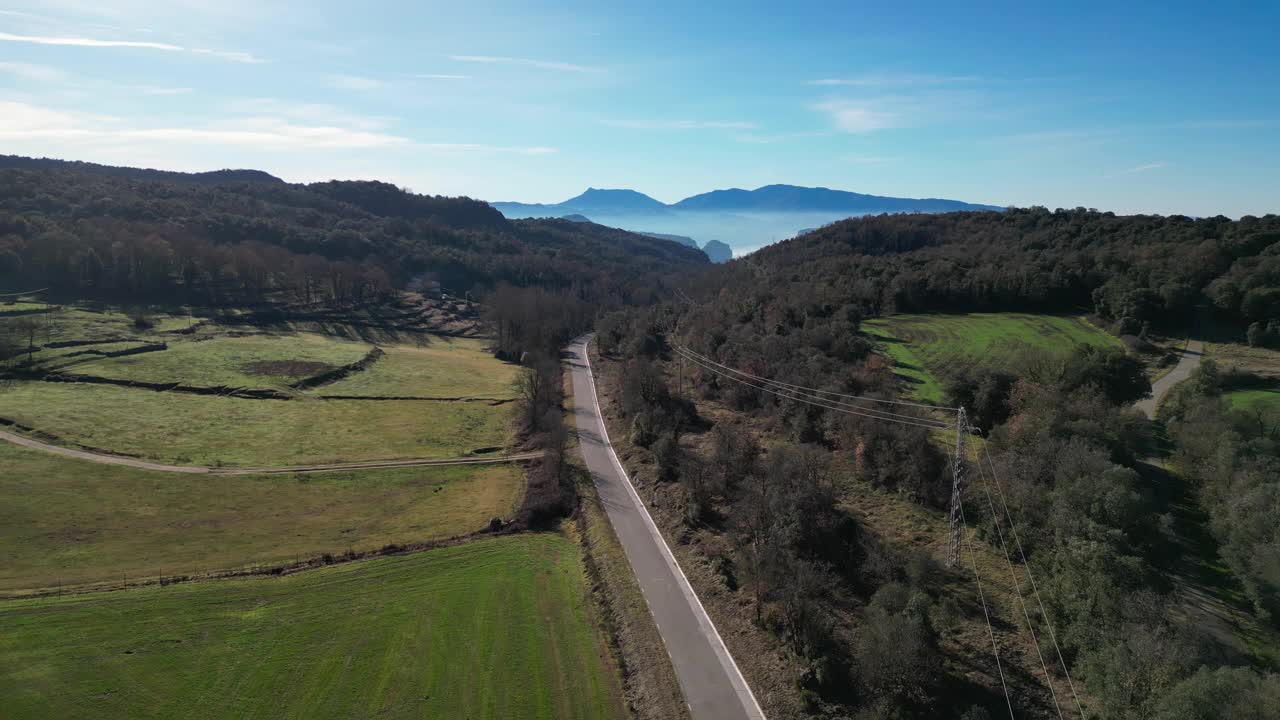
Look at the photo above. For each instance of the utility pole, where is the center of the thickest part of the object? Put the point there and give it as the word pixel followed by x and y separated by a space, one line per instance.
pixel 957 490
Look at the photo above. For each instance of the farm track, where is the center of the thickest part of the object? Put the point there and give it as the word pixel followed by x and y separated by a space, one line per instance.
pixel 203 470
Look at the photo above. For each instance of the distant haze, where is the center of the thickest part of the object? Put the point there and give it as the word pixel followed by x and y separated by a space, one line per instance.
pixel 743 219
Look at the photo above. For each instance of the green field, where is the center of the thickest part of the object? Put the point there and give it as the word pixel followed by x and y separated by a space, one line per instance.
pixel 446 367
pixel 70 522
pixel 926 347
pixel 497 628
pixel 253 361
pixel 1265 399
pixel 208 430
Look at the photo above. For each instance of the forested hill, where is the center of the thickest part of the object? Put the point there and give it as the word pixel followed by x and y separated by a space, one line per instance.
pixel 215 176
pixel 1146 269
pixel 99 231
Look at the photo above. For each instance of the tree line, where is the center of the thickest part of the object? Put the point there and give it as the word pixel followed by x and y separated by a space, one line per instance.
pixel 1131 270
pixel 108 234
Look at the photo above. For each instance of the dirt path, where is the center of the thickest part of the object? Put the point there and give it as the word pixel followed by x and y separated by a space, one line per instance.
pixel 1190 360
pixel 202 470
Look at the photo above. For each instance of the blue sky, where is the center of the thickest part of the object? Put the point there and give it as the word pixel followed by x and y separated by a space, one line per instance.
pixel 1134 108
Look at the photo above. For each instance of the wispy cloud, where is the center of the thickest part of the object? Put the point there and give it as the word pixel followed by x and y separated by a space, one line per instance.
pixel 21 121
pixel 150 90
pixel 526 62
pixel 355 82
pixel 680 124
pixel 232 55
pixel 25 122
pixel 770 138
pixel 472 148
pixel 27 71
pixel 1147 167
pixel 880 80
pixel 437 76
pixel 320 113
pixel 857 118
pixel 241 57
pixel 865 160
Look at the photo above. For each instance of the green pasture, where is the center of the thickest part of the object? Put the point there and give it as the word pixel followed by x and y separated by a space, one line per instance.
pixel 1263 399
pixel 442 367
pixel 251 361
pixel 72 522
pixel 210 430
pixel 497 628
pixel 927 347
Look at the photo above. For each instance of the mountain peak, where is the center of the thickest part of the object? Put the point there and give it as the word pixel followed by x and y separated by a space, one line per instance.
pixel 619 199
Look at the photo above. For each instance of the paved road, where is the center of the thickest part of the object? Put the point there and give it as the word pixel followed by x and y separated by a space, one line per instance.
pixel 713 686
pixel 202 470
pixel 1190 359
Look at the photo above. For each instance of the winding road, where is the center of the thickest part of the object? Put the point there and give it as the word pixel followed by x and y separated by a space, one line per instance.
pixel 713 687
pixel 1188 362
pixel 202 470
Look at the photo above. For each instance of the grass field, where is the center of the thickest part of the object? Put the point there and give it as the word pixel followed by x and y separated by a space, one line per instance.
pixel 925 347
pixel 67 521
pixel 496 628
pixel 1258 399
pixel 445 367
pixel 254 361
pixel 207 430
pixel 1258 360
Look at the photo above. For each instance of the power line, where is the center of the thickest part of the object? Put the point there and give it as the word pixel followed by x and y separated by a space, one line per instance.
pixel 20 294
pixel 1031 577
pixel 1017 588
pixel 819 402
pixel 789 386
pixel 995 650
pixel 823 402
pixel 817 391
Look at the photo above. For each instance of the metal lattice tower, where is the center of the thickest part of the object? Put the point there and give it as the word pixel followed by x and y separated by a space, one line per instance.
pixel 957 490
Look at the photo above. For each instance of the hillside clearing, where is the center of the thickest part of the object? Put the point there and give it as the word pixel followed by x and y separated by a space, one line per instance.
pixel 491 629
pixel 927 347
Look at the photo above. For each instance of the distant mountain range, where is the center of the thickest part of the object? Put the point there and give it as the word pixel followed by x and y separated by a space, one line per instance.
pixel 715 250
pixel 769 199
pixel 742 219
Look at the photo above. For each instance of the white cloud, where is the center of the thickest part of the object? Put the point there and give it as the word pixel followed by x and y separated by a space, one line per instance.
pixel 242 57
pixel 876 80
pixel 539 64
pixel 852 118
pixel 680 124
pixel 27 71
pixel 354 82
pixel 87 42
pixel 20 121
pixel 764 139
pixel 24 122
pixel 148 90
pixel 307 112
pixel 473 148
pixel 1148 166
pixel 232 55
